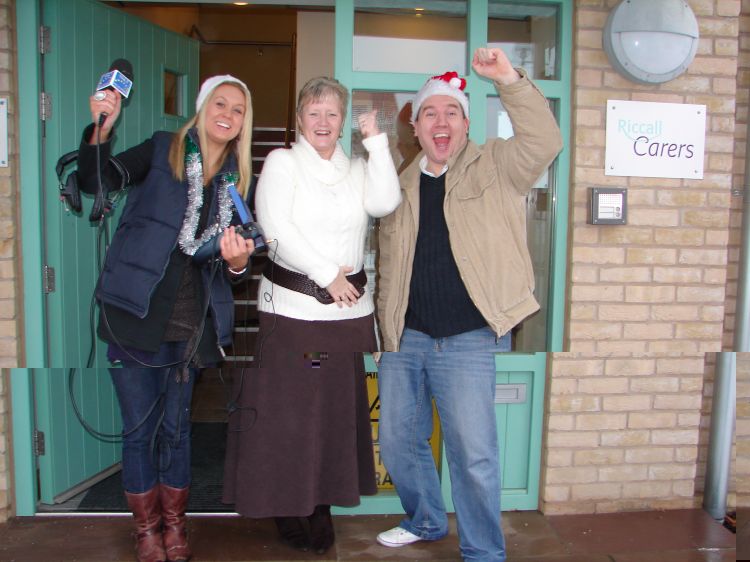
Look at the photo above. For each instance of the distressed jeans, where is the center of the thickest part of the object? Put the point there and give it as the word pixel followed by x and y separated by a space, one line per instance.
pixel 459 373
pixel 155 410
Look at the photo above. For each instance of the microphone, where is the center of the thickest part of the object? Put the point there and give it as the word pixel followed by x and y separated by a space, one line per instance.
pixel 119 77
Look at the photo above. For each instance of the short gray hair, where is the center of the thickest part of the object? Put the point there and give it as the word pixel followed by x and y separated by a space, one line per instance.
pixel 322 87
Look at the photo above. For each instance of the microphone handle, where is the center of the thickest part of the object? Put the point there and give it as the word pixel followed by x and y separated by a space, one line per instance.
pixel 102 118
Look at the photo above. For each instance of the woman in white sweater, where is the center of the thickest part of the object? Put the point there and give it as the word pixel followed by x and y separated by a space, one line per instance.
pixel 300 439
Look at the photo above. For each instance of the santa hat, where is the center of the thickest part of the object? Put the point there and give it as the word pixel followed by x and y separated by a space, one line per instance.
pixel 448 84
pixel 210 84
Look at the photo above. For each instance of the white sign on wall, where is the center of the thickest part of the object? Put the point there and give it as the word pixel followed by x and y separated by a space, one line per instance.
pixel 655 140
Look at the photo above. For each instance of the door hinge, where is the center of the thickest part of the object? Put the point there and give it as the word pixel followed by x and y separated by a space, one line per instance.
pixel 45 106
pixel 38 443
pixel 45 36
pixel 48 279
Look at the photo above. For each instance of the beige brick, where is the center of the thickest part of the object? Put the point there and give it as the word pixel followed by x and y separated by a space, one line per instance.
pixel 621 347
pixel 679 236
pixel 654 217
pixel 671 471
pixel 700 294
pixel 649 455
pixel 627 235
pixel 598 456
pixel 559 458
pixel 602 385
pixel 674 312
pixel 589 117
pixel 680 198
pixel 572 439
pixel 625 473
pixel 598 255
pixel 650 331
pixel 688 419
pixel 629 367
pixel 677 402
pixel 580 311
pixel 680 365
pixel 674 437
pixel 703 257
pixel 654 384
pixel 660 256
pixel 650 294
pixel 595 491
pixel 625 274
pixel 683 488
pixel 624 438
pixel 595 330
pixel 731 8
pixel 686 454
pixel 574 404
pixel 601 421
pixel 699 330
pixel 646 489
pixel 652 420
pixel 598 293
pixel 626 403
pixel 571 475
pixel 559 422
pixel 563 386
pixel 587 367
pixel 691 384
pixel 556 493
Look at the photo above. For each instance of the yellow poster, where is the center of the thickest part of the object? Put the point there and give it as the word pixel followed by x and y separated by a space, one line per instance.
pixel 381 474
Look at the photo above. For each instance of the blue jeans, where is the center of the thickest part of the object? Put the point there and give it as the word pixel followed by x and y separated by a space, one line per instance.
pixel 459 373
pixel 155 409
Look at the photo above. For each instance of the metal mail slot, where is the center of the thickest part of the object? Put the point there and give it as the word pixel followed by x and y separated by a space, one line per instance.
pixel 510 393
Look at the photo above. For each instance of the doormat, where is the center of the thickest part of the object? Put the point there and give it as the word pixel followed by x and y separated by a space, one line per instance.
pixel 208 448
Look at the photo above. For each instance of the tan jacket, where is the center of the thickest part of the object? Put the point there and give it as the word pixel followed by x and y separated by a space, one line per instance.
pixel 485 208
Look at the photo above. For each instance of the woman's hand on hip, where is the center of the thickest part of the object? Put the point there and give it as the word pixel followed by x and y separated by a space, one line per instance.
pixel 235 249
pixel 343 292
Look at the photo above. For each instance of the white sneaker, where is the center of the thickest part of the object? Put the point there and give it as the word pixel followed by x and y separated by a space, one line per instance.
pixel 398 536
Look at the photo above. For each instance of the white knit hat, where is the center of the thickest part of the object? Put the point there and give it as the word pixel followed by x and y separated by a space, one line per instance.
pixel 210 84
pixel 448 84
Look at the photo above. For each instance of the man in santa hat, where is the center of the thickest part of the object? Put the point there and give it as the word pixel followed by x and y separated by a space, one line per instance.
pixel 455 277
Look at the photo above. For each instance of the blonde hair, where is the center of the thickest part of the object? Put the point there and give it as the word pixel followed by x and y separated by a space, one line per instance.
pixel 322 87
pixel 240 145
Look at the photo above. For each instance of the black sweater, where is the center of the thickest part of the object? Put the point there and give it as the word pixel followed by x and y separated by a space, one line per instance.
pixel 439 304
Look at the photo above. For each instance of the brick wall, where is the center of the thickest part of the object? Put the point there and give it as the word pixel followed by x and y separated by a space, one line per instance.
pixel 622 433
pixel 10 302
pixel 742 463
pixel 657 284
pixel 4 449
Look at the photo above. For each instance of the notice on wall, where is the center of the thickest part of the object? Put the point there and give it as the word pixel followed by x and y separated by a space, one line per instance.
pixel 655 140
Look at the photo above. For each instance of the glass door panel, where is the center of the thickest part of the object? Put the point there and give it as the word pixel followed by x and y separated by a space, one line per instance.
pixel 531 334
pixel 528 35
pixel 399 37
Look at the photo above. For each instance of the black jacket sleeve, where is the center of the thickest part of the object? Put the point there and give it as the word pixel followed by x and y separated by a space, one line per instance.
pixel 135 161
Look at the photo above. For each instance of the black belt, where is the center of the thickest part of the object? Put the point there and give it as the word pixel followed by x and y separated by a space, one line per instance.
pixel 301 283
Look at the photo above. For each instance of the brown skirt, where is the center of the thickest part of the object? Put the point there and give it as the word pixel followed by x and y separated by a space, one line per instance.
pixel 300 435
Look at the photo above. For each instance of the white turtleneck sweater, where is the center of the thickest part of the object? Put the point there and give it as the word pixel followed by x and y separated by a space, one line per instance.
pixel 318 211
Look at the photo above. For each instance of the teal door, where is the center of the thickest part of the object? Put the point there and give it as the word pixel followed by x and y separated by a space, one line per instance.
pixel 69 458
pixel 384 52
pixel 85 36
pixel 82 39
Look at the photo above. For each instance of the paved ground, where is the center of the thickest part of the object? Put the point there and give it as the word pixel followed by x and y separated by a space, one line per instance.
pixel 654 536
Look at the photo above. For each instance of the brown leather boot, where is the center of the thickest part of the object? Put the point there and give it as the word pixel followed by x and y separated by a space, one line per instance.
pixel 173 505
pixel 147 514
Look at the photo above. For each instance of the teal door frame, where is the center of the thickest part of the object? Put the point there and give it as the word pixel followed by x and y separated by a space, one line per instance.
pixel 28 21
pixel 514 365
